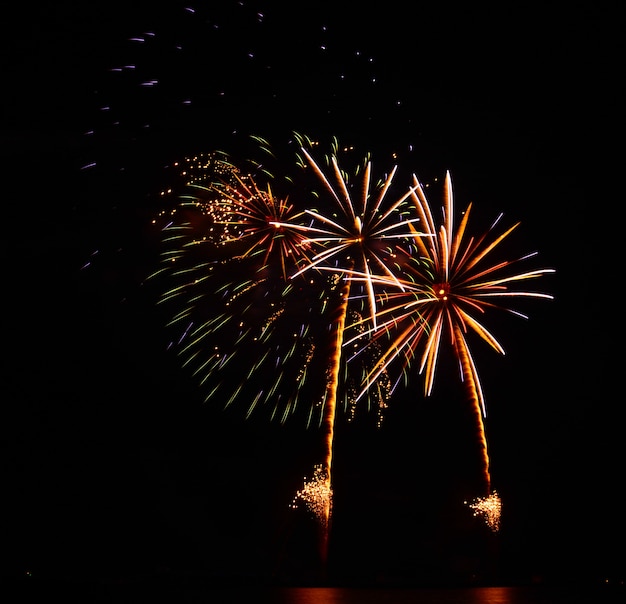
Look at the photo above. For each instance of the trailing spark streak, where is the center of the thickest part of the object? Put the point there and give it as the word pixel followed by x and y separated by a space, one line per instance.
pixel 470 379
pixel 331 395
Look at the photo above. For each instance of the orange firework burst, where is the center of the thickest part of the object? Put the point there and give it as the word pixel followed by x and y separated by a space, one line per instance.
pixel 226 264
pixel 263 219
pixel 361 232
pixel 441 300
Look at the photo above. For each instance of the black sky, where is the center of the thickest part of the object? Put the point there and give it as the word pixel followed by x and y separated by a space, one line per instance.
pixel 111 465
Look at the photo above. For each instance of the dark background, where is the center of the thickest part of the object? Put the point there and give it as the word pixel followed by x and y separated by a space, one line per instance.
pixel 113 469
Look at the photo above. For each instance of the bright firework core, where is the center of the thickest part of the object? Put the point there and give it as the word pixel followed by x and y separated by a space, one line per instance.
pixel 442 290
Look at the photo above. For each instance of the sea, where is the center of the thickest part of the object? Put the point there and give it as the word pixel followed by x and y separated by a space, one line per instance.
pixel 472 595
pixel 123 593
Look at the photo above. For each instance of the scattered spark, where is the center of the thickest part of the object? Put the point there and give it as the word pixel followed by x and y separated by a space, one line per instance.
pixel 316 494
pixel 489 508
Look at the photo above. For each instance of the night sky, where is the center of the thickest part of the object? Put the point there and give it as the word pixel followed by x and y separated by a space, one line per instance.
pixel 112 466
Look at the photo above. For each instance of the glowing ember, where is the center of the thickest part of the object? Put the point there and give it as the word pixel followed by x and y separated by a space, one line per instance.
pixel 316 494
pixel 490 508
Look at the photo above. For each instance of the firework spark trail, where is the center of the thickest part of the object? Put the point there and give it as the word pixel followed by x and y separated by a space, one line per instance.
pixel 318 492
pixel 330 408
pixel 471 386
pixel 443 299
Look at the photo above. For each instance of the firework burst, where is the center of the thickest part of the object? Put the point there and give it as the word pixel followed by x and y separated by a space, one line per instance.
pixel 358 232
pixel 363 230
pixel 268 221
pixel 224 265
pixel 440 301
